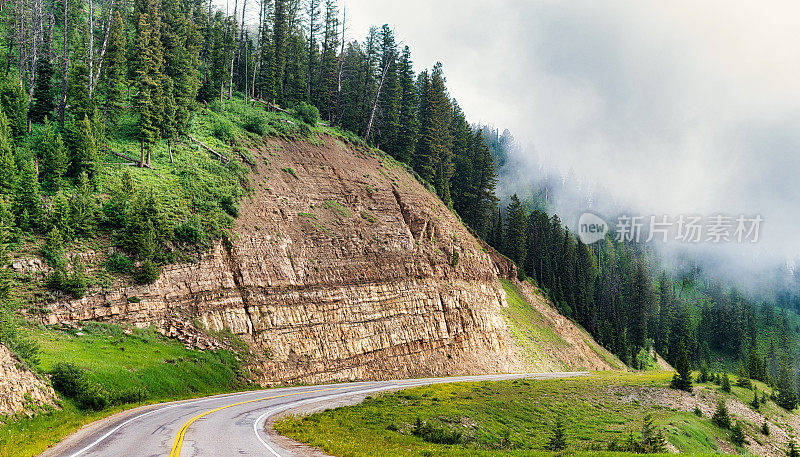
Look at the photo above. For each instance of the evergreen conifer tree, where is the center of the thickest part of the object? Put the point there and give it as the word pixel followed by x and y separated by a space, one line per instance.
pixel 8 168
pixel 558 439
pixel 27 205
pixel 682 379
pixel 14 103
pixel 54 157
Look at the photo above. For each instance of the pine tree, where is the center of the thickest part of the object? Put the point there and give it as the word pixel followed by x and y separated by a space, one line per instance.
pixel 725 383
pixel 181 42
pixel 44 101
pixel 755 403
pixel 79 100
pixel 787 395
pixel 720 416
pixel 280 30
pixel 8 168
pixel 82 148
pixel 148 75
pixel 83 206
pixel 409 124
pixel 653 440
pixel 737 435
pixel 14 103
pixel 60 215
pixel 54 157
pixel 558 440
pixel 53 249
pixel 682 379
pixel 112 80
pixel 765 428
pixel 515 231
pixel 27 205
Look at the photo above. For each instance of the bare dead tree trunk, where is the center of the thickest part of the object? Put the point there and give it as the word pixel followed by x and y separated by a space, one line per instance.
pixel 338 117
pixel 239 47
pixel 21 40
pixel 103 48
pixel 38 36
pixel 258 48
pixel 141 160
pixel 377 97
pixel 230 76
pixel 63 103
pixel 91 47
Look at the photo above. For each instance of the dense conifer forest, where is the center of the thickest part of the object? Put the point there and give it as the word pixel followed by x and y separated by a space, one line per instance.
pixel 80 76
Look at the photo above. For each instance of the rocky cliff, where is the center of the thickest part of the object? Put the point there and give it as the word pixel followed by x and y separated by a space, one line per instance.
pixel 343 266
pixel 20 389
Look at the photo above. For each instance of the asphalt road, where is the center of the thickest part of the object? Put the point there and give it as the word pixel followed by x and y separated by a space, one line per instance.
pixel 226 425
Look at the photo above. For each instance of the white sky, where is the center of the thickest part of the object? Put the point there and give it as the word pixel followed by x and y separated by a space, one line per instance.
pixel 682 106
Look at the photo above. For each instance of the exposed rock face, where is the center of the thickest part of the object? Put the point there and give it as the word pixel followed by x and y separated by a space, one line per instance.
pixel 343 267
pixel 20 389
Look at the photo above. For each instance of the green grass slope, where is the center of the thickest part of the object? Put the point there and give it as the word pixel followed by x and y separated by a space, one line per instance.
pixel 512 418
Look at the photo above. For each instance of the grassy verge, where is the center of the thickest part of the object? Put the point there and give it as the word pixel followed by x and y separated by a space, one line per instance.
pixel 506 418
pixel 140 367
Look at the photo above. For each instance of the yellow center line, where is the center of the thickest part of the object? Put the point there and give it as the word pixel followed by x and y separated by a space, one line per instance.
pixel 176 448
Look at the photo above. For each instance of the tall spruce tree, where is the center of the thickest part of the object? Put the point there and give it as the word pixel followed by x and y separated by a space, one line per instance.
pixel 54 157
pixel 8 169
pixel 147 73
pixel 112 80
pixel 683 377
pixel 515 231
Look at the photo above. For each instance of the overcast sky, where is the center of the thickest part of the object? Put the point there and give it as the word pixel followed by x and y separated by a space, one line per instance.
pixel 683 106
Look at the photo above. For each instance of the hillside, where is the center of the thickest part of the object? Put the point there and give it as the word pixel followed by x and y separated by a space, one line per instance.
pixel 341 266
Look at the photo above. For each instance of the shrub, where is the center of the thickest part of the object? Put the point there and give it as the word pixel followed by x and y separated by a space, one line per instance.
pixel 223 130
pixel 307 113
pixel 256 122
pixel 228 204
pixel 190 232
pixel 435 434
pixel 73 282
pixel 289 170
pixel 67 379
pixel 77 281
pixel 148 272
pixel 792 451
pixel 698 412
pixel 119 263
pixel 765 428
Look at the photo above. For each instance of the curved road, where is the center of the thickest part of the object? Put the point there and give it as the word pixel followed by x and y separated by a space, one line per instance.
pixel 226 425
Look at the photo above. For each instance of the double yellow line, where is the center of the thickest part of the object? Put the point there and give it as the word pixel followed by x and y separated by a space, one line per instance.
pixel 176 448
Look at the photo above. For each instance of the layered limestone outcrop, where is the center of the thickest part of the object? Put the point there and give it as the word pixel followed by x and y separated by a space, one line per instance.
pixel 20 389
pixel 343 266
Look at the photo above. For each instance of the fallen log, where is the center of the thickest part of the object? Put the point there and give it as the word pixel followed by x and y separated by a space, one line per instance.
pixel 275 107
pixel 203 145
